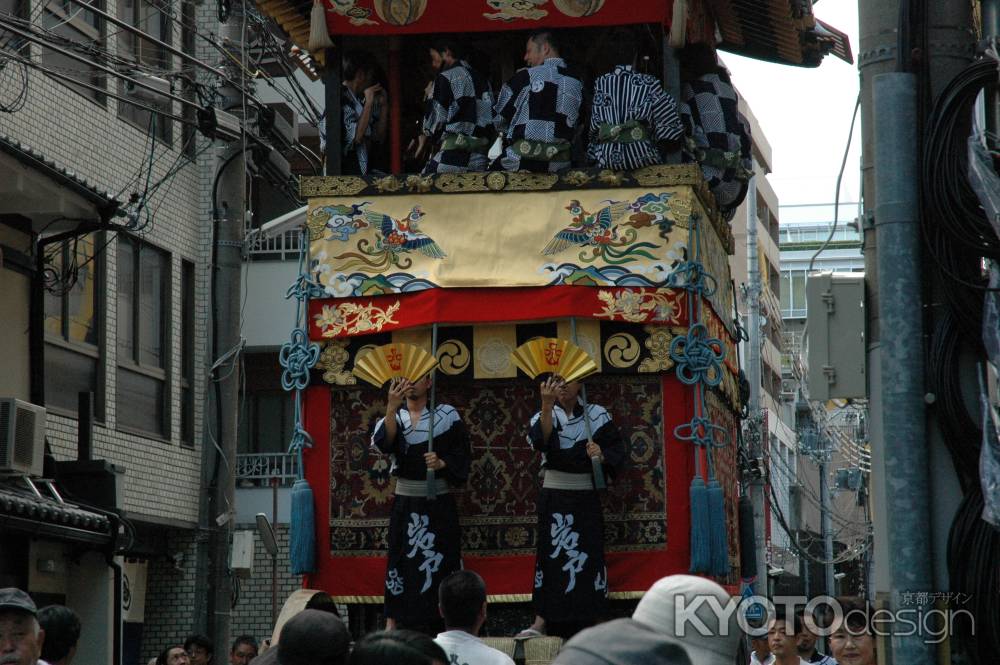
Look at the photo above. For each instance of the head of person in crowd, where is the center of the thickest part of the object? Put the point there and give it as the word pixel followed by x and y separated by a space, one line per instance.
pixel 852 640
pixel 324 602
pixel 62 632
pixel 445 52
pixel 173 655
pixel 462 601
pixel 313 637
pixel 398 647
pixel 200 649
pixel 358 70
pixel 622 642
pixel 783 637
pixel 757 634
pixel 806 645
pixel 621 47
pixel 697 60
pixel 243 651
pixel 711 640
pixel 21 636
pixel 541 45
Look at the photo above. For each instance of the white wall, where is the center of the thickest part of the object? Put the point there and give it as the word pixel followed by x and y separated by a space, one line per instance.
pixel 268 317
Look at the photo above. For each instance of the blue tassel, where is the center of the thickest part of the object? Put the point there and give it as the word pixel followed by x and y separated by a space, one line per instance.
pixel 701 553
pixel 302 539
pixel 718 537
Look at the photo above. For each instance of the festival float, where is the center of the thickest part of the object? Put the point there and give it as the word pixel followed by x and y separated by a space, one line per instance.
pixel 631 267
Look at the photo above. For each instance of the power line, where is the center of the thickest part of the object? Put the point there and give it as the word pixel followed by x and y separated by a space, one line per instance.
pixel 101 90
pixel 69 54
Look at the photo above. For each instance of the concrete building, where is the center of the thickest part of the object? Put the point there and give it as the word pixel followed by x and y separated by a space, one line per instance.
pixel 104 289
pixel 832 435
pixel 781 439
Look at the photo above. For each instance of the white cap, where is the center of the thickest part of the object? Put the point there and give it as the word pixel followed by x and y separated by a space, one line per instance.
pixel 658 607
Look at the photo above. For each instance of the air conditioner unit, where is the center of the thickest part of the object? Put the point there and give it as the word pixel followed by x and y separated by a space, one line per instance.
pixel 788 387
pixel 22 437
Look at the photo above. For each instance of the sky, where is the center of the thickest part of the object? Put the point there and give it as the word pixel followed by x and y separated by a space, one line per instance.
pixel 805 113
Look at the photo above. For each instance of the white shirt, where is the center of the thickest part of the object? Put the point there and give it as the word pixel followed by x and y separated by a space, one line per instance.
pixel 754 660
pixel 466 649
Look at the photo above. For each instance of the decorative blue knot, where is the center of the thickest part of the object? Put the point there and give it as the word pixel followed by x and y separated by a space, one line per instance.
pixel 297 356
pixel 691 276
pixel 701 431
pixel 304 288
pixel 698 357
pixel 300 440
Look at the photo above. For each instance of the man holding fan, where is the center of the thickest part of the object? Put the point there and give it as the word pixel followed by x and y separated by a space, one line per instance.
pixel 571 579
pixel 424 534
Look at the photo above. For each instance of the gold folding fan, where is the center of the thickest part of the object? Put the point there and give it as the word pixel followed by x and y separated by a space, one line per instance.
pixel 392 361
pixel 551 354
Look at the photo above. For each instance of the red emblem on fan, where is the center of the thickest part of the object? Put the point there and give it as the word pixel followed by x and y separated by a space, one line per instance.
pixel 552 353
pixel 394 358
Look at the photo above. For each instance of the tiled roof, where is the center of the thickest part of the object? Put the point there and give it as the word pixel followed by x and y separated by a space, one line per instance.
pixel 103 199
pixel 25 507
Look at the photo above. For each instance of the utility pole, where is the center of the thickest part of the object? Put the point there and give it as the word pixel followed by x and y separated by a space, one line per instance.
pixel 230 206
pixel 824 495
pixel 759 438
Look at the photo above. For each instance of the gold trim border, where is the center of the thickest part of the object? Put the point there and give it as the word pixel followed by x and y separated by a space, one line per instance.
pixel 657 175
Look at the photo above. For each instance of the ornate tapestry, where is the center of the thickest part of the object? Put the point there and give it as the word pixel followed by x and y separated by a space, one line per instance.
pixel 727 472
pixel 497 507
pixel 403 244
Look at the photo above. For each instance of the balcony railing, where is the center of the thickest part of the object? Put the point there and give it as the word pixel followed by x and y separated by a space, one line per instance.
pixel 281 247
pixel 261 469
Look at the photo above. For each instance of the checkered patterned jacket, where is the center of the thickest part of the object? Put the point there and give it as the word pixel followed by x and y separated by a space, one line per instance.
pixel 539 103
pixel 711 117
pixel 461 102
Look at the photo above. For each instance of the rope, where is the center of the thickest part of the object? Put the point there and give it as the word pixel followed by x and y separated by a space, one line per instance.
pixel 299 355
pixel 698 359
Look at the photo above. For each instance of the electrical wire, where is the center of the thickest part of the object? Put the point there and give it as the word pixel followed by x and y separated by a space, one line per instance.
pixel 840 177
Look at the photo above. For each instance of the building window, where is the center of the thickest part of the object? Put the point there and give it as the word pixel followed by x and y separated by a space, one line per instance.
pixel 187 353
pixel 143 281
pixel 69 21
pixel 267 422
pixel 793 294
pixel 72 336
pixel 147 17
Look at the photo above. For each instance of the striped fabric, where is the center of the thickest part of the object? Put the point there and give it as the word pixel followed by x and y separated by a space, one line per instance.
pixel 624 96
pixel 461 103
pixel 540 104
pixel 355 155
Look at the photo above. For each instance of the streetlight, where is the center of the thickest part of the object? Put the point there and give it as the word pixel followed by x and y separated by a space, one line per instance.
pixel 271 545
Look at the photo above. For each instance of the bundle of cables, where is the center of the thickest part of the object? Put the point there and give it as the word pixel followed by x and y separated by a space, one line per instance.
pixel 961 433
pixel 958 237
pixel 973 552
pixel 955 227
